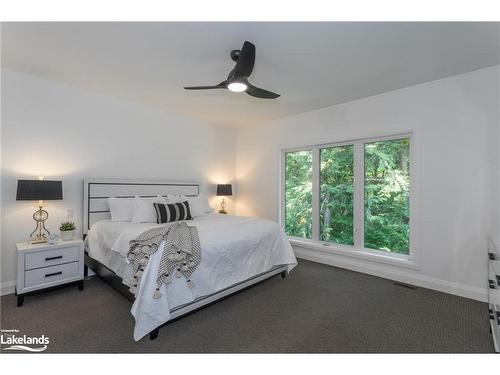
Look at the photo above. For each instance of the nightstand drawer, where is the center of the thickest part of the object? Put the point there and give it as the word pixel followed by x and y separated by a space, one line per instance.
pixel 52 274
pixel 47 258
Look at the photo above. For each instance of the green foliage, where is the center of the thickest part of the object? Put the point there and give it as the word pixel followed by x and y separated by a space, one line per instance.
pixel 386 192
pixel 298 194
pixel 67 226
pixel 336 194
pixel 387 196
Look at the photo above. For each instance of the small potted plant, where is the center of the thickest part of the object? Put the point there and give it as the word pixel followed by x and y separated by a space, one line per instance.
pixel 67 230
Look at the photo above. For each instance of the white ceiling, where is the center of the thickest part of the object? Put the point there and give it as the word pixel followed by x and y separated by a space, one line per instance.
pixel 312 65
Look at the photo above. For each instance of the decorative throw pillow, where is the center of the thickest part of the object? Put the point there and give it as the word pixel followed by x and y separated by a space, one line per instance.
pixel 166 213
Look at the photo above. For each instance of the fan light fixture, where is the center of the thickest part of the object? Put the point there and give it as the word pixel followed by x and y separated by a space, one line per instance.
pixel 237 87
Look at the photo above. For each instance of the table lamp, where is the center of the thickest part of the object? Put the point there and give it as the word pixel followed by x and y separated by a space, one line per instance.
pixel 39 190
pixel 224 190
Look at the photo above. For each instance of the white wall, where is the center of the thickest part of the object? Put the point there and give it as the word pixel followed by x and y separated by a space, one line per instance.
pixel 62 132
pixel 455 125
pixel 494 181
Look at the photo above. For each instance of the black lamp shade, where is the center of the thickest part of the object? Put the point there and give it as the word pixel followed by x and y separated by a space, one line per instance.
pixel 224 190
pixel 36 190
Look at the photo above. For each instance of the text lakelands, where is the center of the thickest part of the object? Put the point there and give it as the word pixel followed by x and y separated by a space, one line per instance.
pixel 24 340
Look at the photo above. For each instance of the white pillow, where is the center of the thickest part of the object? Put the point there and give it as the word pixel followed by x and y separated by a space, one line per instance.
pixel 206 206
pixel 143 209
pixel 198 206
pixel 121 208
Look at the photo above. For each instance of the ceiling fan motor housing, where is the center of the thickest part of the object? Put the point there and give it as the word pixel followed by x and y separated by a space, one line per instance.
pixel 235 54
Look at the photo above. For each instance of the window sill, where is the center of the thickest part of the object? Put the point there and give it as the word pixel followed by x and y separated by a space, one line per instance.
pixel 369 255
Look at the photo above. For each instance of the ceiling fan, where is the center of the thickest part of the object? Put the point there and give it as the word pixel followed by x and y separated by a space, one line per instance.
pixel 237 79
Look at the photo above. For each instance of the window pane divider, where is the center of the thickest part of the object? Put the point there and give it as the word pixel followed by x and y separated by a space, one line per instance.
pixel 359 198
pixel 315 193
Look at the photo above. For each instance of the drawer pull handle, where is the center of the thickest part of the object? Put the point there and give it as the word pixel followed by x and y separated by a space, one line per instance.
pixel 53 274
pixel 53 258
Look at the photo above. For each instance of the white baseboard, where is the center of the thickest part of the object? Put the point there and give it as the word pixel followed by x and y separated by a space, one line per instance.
pixel 400 275
pixel 7 287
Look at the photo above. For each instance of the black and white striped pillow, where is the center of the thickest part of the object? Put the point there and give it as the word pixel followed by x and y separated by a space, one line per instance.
pixel 166 213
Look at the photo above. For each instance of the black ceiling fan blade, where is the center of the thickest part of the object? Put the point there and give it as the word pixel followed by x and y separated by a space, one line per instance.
pixel 222 85
pixel 260 93
pixel 246 60
pixel 204 87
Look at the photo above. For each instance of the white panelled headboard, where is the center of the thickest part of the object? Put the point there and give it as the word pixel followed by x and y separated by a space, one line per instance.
pixel 97 191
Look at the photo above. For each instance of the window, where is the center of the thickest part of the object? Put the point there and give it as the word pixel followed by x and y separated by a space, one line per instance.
pixel 336 194
pixel 298 194
pixel 354 194
pixel 387 195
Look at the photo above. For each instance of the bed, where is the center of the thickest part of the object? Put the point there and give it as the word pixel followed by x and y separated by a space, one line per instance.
pixel 236 252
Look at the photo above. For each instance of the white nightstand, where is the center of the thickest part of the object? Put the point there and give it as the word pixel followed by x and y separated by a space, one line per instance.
pixel 44 266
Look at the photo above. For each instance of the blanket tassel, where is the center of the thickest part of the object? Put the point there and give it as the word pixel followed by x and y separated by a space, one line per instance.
pixel 157 294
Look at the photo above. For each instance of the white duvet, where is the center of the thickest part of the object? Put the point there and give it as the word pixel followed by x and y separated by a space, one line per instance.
pixel 233 249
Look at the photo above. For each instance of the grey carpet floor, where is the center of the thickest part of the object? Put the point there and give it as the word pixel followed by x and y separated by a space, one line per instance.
pixel 316 309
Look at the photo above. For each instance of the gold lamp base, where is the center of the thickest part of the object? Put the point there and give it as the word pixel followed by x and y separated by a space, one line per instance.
pixel 38 240
pixel 223 207
pixel 40 216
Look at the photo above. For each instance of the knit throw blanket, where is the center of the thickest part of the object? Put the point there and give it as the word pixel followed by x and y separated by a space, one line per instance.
pixel 181 254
